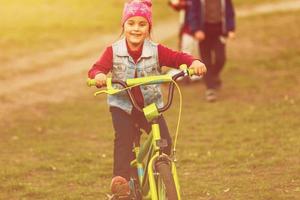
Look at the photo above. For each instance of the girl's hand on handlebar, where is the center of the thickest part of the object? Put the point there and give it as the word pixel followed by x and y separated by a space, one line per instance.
pixel 198 67
pixel 100 80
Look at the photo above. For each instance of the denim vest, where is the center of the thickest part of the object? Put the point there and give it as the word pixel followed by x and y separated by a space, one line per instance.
pixel 124 67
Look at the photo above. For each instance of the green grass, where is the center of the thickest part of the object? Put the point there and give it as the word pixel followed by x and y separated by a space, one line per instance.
pixel 243 147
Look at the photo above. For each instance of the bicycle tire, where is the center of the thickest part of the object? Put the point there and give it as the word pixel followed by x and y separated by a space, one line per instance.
pixel 166 188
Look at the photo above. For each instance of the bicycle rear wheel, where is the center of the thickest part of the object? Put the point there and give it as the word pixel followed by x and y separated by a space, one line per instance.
pixel 166 188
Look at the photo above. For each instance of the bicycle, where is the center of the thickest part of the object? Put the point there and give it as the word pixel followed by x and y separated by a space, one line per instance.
pixel 160 182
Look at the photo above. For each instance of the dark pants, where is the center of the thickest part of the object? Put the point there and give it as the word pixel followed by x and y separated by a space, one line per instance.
pixel 126 128
pixel 213 55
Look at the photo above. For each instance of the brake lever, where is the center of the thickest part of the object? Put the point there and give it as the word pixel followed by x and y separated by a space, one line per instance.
pixel 108 91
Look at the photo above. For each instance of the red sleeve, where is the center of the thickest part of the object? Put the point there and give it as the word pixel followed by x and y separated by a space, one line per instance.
pixel 168 57
pixel 103 65
pixel 178 6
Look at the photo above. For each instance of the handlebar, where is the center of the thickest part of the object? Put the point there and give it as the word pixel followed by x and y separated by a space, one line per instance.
pixel 143 81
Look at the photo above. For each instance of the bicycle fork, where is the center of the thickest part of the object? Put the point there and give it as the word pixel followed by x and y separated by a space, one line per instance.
pixel 155 144
pixel 152 179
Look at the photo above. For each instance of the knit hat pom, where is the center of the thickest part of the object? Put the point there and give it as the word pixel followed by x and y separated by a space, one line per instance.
pixel 147 2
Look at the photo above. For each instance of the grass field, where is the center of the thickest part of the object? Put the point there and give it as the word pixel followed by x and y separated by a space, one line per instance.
pixel 246 146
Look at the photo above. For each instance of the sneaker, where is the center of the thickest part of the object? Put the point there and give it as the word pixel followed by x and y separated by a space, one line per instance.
pixel 211 95
pixel 120 187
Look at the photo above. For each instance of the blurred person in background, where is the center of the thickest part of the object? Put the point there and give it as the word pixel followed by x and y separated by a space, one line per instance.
pixel 187 43
pixel 211 23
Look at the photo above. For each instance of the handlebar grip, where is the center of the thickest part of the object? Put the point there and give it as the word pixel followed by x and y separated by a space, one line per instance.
pixel 191 72
pixel 91 82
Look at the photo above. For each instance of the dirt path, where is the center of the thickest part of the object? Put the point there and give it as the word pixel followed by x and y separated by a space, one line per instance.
pixel 19 91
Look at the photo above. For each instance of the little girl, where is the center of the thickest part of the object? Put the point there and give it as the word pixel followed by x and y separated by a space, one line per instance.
pixel 135 55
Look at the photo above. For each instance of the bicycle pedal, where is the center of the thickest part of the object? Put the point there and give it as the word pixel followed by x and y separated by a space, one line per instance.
pixel 110 197
pixel 117 197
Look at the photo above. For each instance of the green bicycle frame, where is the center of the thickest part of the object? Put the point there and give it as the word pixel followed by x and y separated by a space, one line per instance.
pixel 153 153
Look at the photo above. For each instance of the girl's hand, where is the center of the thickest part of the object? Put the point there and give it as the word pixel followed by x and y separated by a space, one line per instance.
pixel 100 80
pixel 198 67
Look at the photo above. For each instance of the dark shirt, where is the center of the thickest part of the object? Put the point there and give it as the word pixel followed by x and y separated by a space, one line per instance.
pixel 213 11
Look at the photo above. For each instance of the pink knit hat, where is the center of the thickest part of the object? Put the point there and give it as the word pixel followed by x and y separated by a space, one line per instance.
pixel 138 8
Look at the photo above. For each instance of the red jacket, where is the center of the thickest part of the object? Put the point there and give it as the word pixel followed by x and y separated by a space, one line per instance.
pixel 178 5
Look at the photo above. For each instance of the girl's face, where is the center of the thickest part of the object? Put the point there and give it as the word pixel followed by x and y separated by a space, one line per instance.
pixel 136 30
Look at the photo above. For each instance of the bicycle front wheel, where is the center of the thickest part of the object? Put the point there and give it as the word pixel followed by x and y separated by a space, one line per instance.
pixel 166 188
